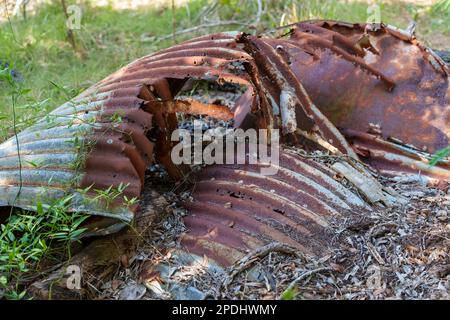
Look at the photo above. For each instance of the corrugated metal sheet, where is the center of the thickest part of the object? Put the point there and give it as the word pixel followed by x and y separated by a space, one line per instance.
pixel 363 78
pixel 101 138
pixel 235 209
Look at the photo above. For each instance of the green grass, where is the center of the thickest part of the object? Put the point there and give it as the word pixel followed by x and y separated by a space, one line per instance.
pixel 26 237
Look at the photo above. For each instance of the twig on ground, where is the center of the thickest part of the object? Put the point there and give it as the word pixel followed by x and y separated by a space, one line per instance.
pixel 250 258
pixel 374 252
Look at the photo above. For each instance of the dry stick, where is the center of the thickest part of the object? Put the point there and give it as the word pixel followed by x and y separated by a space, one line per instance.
pixel 319 140
pixel 303 276
pixel 250 258
pixel 375 254
pixel 30 278
pixel 174 23
pixel 372 249
pixel 207 25
pixel 206 11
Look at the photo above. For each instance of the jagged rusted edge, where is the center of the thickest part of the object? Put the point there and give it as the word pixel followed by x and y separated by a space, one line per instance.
pixel 395 158
pixel 289 100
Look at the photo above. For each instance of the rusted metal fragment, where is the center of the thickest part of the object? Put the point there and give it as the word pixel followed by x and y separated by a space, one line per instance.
pixel 372 190
pixel 313 38
pixel 236 209
pixel 327 76
pixel 352 93
pixel 194 107
pixel 394 157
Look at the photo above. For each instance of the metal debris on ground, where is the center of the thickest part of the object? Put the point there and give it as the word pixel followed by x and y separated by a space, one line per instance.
pixel 362 106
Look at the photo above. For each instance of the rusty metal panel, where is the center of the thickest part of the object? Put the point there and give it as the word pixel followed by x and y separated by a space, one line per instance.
pixel 235 209
pixel 371 74
pixel 326 76
pixel 48 166
pixel 395 158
